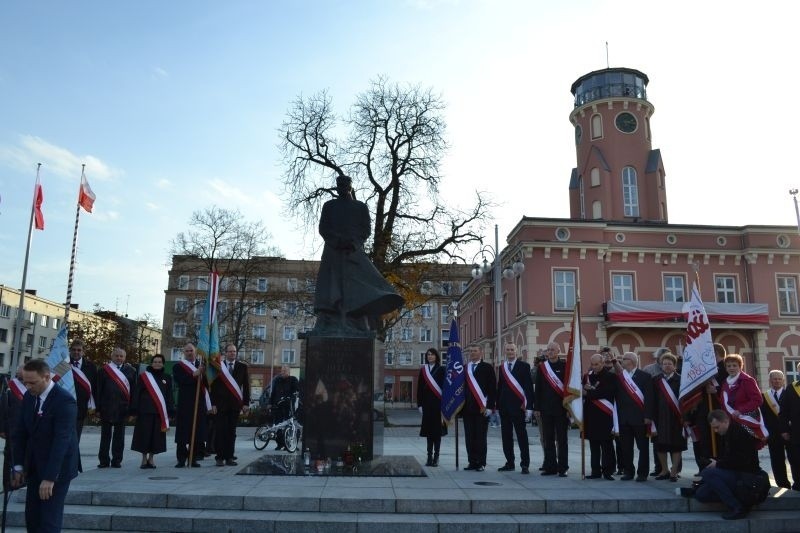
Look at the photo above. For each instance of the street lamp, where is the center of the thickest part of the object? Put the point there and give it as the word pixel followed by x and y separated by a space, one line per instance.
pixel 793 192
pixel 275 315
pixel 509 272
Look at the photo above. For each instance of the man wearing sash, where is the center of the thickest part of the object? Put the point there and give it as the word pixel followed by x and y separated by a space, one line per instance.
pixel 770 411
pixel 789 417
pixel 84 373
pixel 549 409
pixel 185 376
pixel 634 399
pixel 230 394
pixel 598 418
pixel 479 401
pixel 114 387
pixel 515 402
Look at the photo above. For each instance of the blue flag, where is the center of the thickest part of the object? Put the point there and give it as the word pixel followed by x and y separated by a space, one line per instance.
pixel 208 336
pixel 455 378
pixel 58 361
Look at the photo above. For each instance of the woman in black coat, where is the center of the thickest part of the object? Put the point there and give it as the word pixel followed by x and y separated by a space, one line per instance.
pixel 149 433
pixel 429 403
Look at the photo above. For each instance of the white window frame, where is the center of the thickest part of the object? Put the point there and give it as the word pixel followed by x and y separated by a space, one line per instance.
pixel 257 357
pixel 260 332
pixel 289 333
pixel 671 288
pixel 184 307
pixel 726 294
pixel 406 334
pixel 426 311
pixel 179 329
pixel 43 320
pixel 405 358
pixel 425 334
pixel 564 289
pixel 291 284
pixel 288 356
pixel 260 309
pixel 176 354
pixel 183 283
pixel 388 358
pixel 444 313
pixel 262 285
pixel 630 192
pixel 787 294
pixel 622 287
pixel 202 283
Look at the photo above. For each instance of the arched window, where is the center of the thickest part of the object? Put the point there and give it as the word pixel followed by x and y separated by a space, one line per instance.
pixel 581 198
pixel 597 126
pixel 595 175
pixel 597 210
pixel 630 192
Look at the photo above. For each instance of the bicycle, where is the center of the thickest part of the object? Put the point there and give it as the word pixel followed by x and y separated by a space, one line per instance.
pixel 292 429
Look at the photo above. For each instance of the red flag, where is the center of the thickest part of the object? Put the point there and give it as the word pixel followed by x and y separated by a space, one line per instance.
pixel 85 195
pixel 38 198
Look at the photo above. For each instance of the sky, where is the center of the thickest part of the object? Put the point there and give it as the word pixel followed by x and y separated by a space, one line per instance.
pixel 176 106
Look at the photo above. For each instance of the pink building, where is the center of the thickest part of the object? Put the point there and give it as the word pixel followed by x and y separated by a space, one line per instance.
pixel 631 269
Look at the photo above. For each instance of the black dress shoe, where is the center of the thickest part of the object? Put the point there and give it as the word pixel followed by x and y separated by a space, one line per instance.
pixel 470 467
pixel 627 477
pixel 525 470
pixel 594 476
pixel 562 474
pixel 662 477
pixel 180 465
pixel 785 485
pixel 608 477
pixel 548 473
pixel 235 458
pixel 654 474
pixel 231 462
pixel 103 465
pixel 196 465
pixel 736 514
pixel 641 478
pixel 480 468
pixel 116 465
pixel 506 468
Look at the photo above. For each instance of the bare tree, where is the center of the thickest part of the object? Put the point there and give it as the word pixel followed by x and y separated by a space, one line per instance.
pixel 392 151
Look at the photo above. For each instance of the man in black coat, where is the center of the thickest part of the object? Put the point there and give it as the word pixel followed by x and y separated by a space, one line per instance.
pixel 790 427
pixel 188 417
pixel 634 400
pixel 230 395
pixel 550 411
pixel 738 454
pixel 779 448
pixel 284 386
pixel 45 447
pixel 84 373
pixel 115 383
pixel 479 401
pixel 515 402
pixel 599 388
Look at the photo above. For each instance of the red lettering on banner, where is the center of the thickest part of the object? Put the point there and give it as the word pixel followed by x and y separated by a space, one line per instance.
pixel 697 326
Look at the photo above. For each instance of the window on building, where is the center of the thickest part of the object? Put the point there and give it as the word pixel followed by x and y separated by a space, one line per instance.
pixel 202 283
pixel 406 334
pixel 447 288
pixel 2 359
pixel 425 335
pixel 260 332
pixel 32 317
pixel 261 285
pixel 426 311
pixel 594 177
pixel 311 285
pixel 56 323
pixel 260 309
pixel 518 293
pixel 289 333
pixel 597 126
pixel 181 305
pixel 223 330
pixel 223 283
pixel 597 210
pixel 287 356
pixel 291 284
pixel 176 354
pixel 43 320
pixel 291 308
pixel 564 290
pixel 622 287
pixel 445 313
pixel 726 289
pixel 179 330
pixel 787 295
pixel 222 309
pixel 389 358
pixel 630 192
pixel 674 288
pixel 790 369
pixel 198 308
pixel 3 335
pixel 257 357
pixel 183 283
pixel 42 341
pixel 389 335
pixel 29 340
pixel 404 359
pixel 445 338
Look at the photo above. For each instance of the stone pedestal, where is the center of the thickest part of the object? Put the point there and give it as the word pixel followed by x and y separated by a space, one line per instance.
pixel 338 394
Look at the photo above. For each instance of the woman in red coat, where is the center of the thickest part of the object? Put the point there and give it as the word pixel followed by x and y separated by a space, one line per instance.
pixel 741 398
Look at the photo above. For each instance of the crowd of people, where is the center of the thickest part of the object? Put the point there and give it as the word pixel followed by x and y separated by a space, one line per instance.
pixel 626 409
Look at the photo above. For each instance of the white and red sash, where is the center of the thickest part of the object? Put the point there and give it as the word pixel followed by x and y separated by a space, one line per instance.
pixel 432 385
pixel 119 379
pixel 610 409
pixel 674 406
pixel 514 385
pixel 17 388
pixel 230 383
pixel 475 389
pixel 84 383
pixel 632 389
pixel 753 424
pixel 552 378
pixel 191 368
pixel 774 406
pixel 151 385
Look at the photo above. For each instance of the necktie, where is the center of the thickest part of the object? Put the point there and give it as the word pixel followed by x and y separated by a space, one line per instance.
pixel 38 405
pixel 473 366
pixel 230 367
pixel 119 367
pixel 775 395
pixel 76 364
pixel 509 366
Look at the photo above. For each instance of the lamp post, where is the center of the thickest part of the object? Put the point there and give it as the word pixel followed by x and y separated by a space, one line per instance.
pixel 275 315
pixel 509 272
pixel 793 192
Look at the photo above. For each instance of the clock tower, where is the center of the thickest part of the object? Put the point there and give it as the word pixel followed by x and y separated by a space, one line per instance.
pixel 619 176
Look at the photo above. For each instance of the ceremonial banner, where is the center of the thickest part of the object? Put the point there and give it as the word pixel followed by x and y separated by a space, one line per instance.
pixel 573 400
pixel 58 361
pixel 699 363
pixel 208 337
pixel 454 382
pixel 38 199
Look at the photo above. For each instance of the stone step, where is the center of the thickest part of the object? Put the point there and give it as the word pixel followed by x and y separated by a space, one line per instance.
pixel 126 519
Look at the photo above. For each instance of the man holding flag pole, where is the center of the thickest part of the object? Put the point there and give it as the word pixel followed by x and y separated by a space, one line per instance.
pixel 573 396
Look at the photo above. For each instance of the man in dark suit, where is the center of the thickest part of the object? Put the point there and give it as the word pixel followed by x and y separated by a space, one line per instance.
pixel 84 373
pixel 634 399
pixel 187 375
pixel 599 387
pixel 789 418
pixel 115 381
pixel 45 447
pixel 549 409
pixel 515 402
pixel 283 386
pixel 479 401
pixel 770 411
pixel 230 395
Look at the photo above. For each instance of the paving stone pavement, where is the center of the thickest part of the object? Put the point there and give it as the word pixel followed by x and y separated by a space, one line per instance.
pixel 214 498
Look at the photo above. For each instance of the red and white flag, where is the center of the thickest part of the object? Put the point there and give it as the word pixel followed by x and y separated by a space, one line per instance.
pixel 38 199
pixel 85 195
pixel 573 399
pixel 699 362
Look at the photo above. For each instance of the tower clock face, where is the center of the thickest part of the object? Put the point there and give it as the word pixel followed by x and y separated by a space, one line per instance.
pixel 626 123
pixel 578 133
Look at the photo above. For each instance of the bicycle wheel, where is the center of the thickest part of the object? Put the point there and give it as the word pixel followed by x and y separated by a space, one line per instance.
pixel 261 438
pixel 290 438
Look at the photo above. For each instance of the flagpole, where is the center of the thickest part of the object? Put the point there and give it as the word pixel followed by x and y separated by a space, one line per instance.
pixel 71 278
pixel 16 356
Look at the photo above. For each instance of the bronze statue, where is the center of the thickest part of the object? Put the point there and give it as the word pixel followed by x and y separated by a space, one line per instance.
pixel 351 294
